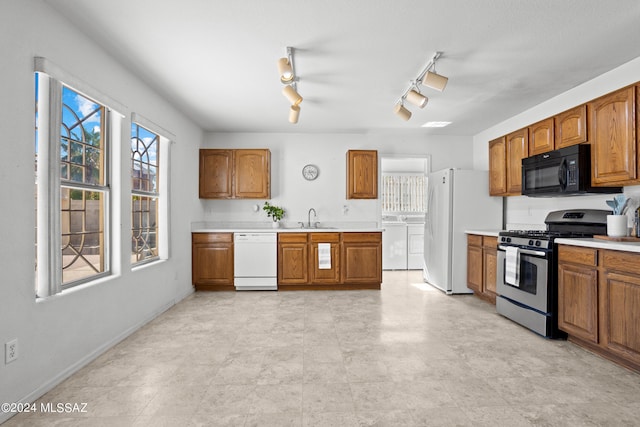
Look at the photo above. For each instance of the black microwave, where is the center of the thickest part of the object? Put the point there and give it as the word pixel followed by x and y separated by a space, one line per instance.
pixel 563 172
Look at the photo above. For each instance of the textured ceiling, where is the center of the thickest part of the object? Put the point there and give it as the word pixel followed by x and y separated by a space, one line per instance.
pixel 216 60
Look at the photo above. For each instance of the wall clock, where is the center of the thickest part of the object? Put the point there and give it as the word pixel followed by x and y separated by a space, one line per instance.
pixel 310 172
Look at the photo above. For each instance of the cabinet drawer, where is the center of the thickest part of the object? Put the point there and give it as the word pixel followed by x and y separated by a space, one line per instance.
pixel 362 237
pixel 292 237
pixel 576 255
pixel 324 237
pixel 212 237
pixel 474 240
pixel 490 242
pixel 621 261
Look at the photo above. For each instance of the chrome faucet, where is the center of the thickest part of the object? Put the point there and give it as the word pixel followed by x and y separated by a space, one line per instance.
pixel 315 214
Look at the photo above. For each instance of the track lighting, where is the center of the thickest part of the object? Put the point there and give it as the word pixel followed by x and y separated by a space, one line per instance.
pixel 402 112
pixel 285 70
pixel 288 77
pixel 416 98
pixel 427 77
pixel 435 81
pixel 294 113
pixel 292 95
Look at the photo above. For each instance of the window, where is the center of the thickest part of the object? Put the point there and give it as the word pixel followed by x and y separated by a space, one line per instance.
pixel 145 150
pixel 404 192
pixel 84 191
pixel 73 182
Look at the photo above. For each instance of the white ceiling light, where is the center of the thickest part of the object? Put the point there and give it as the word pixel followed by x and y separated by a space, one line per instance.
pixel 426 77
pixel 435 124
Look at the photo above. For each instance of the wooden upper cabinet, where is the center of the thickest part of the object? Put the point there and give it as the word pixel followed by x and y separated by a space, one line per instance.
pixel 498 167
pixel 362 174
pixel 571 127
pixel 541 137
pixel 216 167
pixel 612 135
pixel 517 149
pixel 252 176
pixel 229 174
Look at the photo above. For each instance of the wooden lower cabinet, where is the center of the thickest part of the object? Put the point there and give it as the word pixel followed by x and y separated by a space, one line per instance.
pixel 577 296
pixel 324 276
pixel 475 270
pixel 490 264
pixel 293 254
pixel 599 301
pixel 620 304
pixel 356 261
pixel 212 261
pixel 482 263
pixel 362 258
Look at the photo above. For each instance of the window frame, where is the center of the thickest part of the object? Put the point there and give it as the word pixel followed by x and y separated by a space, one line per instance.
pixel 147 194
pixel 49 183
pixel 165 140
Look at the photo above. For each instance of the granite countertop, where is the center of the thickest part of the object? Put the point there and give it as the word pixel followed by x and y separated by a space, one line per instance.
pixel 601 244
pixel 292 227
pixel 491 233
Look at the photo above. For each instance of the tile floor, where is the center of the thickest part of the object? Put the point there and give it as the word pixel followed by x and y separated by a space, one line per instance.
pixel 404 356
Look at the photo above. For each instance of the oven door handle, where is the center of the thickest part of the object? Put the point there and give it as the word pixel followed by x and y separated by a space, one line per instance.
pixel 526 251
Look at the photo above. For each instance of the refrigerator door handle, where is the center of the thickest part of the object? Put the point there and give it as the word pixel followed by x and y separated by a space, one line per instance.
pixel 429 211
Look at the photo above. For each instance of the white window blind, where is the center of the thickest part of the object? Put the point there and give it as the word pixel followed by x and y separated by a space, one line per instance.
pixel 404 193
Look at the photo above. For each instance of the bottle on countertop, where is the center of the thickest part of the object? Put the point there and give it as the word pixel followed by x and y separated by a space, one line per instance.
pixel 636 222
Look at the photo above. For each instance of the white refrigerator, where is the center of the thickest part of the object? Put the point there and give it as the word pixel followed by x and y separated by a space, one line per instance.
pixel 457 200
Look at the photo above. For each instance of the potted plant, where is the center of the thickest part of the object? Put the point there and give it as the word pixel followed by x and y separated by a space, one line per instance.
pixel 617 222
pixel 274 212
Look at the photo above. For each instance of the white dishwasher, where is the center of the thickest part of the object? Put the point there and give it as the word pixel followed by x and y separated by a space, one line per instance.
pixel 255 261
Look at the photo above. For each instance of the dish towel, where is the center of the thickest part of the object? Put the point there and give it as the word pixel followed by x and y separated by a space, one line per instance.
pixel 512 266
pixel 324 256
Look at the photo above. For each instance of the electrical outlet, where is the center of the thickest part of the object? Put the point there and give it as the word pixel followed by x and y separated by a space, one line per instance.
pixel 10 351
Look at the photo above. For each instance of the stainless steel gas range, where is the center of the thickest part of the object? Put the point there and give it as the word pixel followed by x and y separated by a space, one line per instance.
pixel 527 284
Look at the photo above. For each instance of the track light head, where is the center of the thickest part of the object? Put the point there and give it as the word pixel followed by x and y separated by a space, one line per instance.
pixel 412 93
pixel 285 70
pixel 402 112
pixel 292 95
pixel 416 98
pixel 435 81
pixel 294 114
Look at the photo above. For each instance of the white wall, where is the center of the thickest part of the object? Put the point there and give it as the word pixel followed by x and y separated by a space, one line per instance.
pixel 58 335
pixel 326 194
pixel 524 211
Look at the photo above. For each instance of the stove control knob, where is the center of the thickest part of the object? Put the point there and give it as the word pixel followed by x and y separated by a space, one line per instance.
pixel 508 239
pixel 538 243
pixel 530 242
